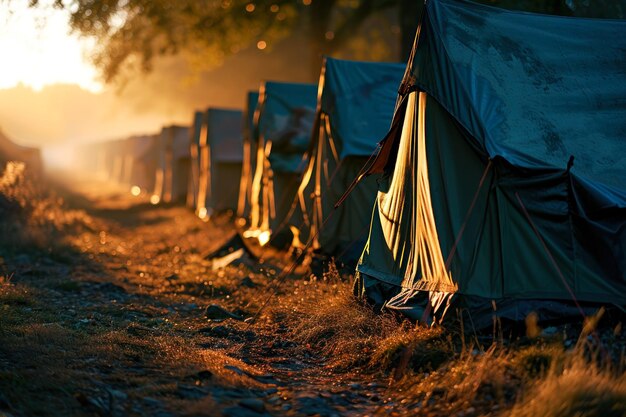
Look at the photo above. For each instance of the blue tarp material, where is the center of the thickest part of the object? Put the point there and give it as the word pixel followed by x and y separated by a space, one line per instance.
pixel 359 98
pixel 286 119
pixel 532 89
pixel 525 131
pixel 225 134
pixel 251 102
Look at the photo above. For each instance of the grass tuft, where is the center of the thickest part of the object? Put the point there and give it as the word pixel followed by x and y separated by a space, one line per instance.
pixel 411 348
pixel 578 389
pixel 343 328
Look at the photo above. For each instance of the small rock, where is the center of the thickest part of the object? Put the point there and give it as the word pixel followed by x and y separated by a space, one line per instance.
pixel 202 375
pixel 118 394
pixel 239 412
pixel 110 287
pixel 235 369
pixel 23 259
pixel 274 399
pixel 549 331
pixel 216 331
pixel 191 393
pixel 217 313
pixel 253 404
pixel 153 402
pixel 247 282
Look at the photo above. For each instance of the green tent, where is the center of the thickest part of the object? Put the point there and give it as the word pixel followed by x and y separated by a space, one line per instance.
pixel 114 158
pixel 173 166
pixel 286 112
pixel 141 148
pixel 195 132
pixel 220 161
pixel 248 163
pixel 356 101
pixel 505 167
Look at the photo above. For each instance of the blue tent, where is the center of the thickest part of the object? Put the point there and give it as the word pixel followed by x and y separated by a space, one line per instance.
pixel 249 156
pixel 285 116
pixel 504 173
pixel 220 161
pixel 356 101
pixel 194 152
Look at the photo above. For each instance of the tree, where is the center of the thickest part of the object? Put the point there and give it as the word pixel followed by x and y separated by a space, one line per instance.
pixel 132 33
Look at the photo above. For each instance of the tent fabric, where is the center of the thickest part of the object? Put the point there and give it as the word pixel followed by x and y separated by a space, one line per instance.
pixel 525 145
pixel 359 98
pixel 225 146
pixel 541 88
pixel 194 154
pixel 356 102
pixel 172 175
pixel 225 135
pixel 248 157
pixel 284 120
pixel 143 152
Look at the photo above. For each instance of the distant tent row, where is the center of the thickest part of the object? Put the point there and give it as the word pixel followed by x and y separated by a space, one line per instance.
pixel 495 163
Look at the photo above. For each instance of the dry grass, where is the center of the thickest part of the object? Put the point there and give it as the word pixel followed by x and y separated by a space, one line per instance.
pixel 580 388
pixel 33 217
pixel 343 329
pixel 412 349
pixel 149 342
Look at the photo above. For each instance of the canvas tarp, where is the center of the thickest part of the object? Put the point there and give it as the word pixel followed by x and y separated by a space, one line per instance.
pixel 174 165
pixel 220 161
pixel 195 132
pixel 356 101
pixel 518 192
pixel 248 163
pixel 285 116
pixel 141 150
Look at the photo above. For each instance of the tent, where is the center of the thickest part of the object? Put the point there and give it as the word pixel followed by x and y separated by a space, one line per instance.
pixel 173 165
pixel 220 161
pixel 356 101
pixel 285 116
pixel 248 162
pixel 116 153
pixel 194 154
pixel 141 151
pixel 11 151
pixel 504 172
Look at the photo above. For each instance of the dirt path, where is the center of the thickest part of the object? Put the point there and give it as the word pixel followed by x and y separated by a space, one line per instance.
pixel 113 321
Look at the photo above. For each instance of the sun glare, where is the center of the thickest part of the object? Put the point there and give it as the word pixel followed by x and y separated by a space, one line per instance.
pixel 37 49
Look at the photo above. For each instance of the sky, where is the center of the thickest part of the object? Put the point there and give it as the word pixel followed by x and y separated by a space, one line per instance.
pixel 38 49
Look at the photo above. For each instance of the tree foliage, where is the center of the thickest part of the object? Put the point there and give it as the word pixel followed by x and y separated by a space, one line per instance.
pixel 130 34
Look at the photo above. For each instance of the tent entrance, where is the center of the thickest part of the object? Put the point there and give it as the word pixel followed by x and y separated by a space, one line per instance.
pixel 410 190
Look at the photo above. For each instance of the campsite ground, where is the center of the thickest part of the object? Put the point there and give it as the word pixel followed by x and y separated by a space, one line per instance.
pixel 109 307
